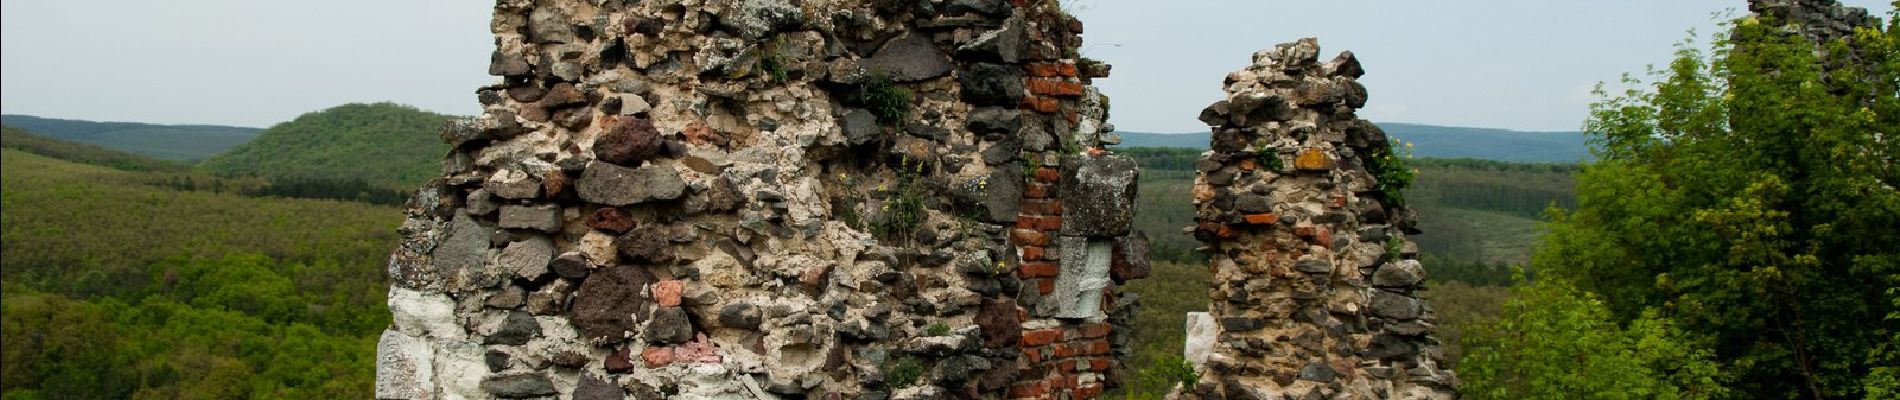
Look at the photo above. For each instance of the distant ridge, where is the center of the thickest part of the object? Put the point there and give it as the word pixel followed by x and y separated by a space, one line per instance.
pixel 166 142
pixel 385 144
pixel 1433 141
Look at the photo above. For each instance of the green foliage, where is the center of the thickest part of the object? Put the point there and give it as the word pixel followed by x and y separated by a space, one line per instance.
pixel 888 101
pixel 1155 380
pixel 903 210
pixel 386 144
pixel 1389 166
pixel 1557 342
pixel 1746 197
pixel 17 139
pixel 771 59
pixel 1167 295
pixel 180 143
pixel 902 371
pixel 937 329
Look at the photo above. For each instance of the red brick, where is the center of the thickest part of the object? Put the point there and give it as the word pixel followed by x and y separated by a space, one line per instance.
pixel 667 292
pixel 1048 175
pixel 1036 190
pixel 1025 221
pixel 1033 253
pixel 1041 104
pixel 656 357
pixel 1065 366
pixel 1048 87
pixel 1029 237
pixel 1046 286
pixel 1041 337
pixel 1038 270
pixel 1049 223
pixel 1029 390
pixel 1093 331
pixel 1262 219
pixel 1095 348
pixel 1099 364
pixel 1032 355
pixel 1063 382
pixel 1064 350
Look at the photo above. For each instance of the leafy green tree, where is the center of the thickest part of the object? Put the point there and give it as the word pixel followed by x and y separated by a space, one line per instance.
pixel 1558 342
pixel 1746 198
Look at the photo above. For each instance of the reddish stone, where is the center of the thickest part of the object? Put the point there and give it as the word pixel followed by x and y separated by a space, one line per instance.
pixel 667 292
pixel 1049 223
pixel 1099 364
pixel 1095 348
pixel 1055 88
pixel 628 141
pixel 1048 175
pixel 999 322
pixel 814 275
pixel 657 357
pixel 1033 253
pixel 1065 366
pixel 562 95
pixel 1093 331
pixel 610 219
pixel 1038 270
pixel 1041 337
pixel 1036 190
pixel 553 182
pixel 1129 259
pixel 1089 391
pixel 1029 237
pixel 1046 286
pixel 1261 219
pixel 1042 104
pixel 698 133
pixel 1028 390
pixel 620 362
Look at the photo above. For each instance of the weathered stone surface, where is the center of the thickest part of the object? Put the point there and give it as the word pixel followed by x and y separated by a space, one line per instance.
pixel 1318 372
pixel 1099 193
pixel 518 385
pixel 860 126
pixel 513 184
pixel 1402 273
pixel 1395 306
pixel 515 329
pixel 593 388
pixel 628 141
pixel 908 58
pixel 404 367
pixel 544 217
pixel 1078 289
pixel 1003 193
pixel 500 64
pixel 1314 266
pixel 615 185
pixel 1313 160
pixel 999 322
pixel 1131 258
pixel 997 120
pixel 528 258
pixel 740 316
pixel 992 84
pixel 608 300
pixel 644 247
pixel 669 325
pixel 545 25
pixel 753 19
pixel 610 219
pixel 571 266
pixel 1241 324
pixel 1201 334
pixel 1001 45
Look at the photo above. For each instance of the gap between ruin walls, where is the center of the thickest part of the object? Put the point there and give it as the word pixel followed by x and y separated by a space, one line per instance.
pixel 762 199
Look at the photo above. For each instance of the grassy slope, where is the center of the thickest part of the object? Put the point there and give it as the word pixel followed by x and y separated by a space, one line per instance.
pixel 19 139
pixel 168 142
pixel 386 144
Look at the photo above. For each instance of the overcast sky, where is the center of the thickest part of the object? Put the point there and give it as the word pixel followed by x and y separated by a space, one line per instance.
pixel 1513 64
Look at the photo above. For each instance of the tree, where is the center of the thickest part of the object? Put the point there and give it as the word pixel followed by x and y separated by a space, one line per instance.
pixel 1748 198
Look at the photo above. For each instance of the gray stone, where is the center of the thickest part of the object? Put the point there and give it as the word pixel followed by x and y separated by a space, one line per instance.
pixel 1399 274
pixel 753 19
pixel 1000 120
pixel 1389 347
pixel 460 254
pixel 1078 288
pixel 593 388
pixel 740 316
pixel 908 58
pixel 669 325
pixel 513 184
pixel 503 64
pixel 1252 203
pixel 545 25
pixel 1394 306
pixel 992 8
pixel 528 258
pixel 1347 65
pixel 860 126
pixel 1002 45
pixel 1318 372
pixel 518 385
pixel 544 217
pixel 1241 324
pixel 1003 193
pixel 480 202
pixel 515 329
pixel 404 367
pixel 615 185
pixel 1314 266
pixel 571 266
pixel 508 298
pixel 1098 195
pixel 1201 333
pixel 992 84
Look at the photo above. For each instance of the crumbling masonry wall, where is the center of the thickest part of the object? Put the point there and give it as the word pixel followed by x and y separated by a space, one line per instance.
pixel 757 199
pixel 1314 291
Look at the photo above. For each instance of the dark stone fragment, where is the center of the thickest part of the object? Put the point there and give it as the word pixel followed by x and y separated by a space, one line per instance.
pixel 571 266
pixel 1318 372
pixel 1228 140
pixel 926 131
pixel 993 8
pixel 1347 65
pixel 669 325
pixel 741 316
pixel 607 301
pixel 1241 324
pixel 614 185
pixel 908 58
pixel 997 120
pixel 488 96
pixel 620 361
pixel 527 94
pixel 496 360
pixel 592 388
pixel 1098 195
pixel 1215 115
pixel 1252 203
pixel 860 126
pixel 1398 274
pixel 1003 45
pixel 610 219
pixel 568 359
pixel 1252 110
pixel 645 247
pixel 1355 95
pixel 521 385
pixel 503 64
pixel 999 322
pixel 1395 306
pixel 1003 193
pixel 1390 348
pixel 627 141
pixel 1313 266
pixel 562 95
pixel 992 84
pixel 516 329
pixel 1130 260
pixel 574 118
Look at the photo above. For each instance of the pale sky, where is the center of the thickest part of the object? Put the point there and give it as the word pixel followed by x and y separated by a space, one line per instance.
pixel 1515 64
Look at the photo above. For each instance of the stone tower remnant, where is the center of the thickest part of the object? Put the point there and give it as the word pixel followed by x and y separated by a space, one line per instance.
pixel 1314 291
pixel 761 199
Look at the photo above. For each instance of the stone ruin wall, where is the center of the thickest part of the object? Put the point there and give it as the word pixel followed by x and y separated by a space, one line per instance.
pixel 1314 291
pixel 739 199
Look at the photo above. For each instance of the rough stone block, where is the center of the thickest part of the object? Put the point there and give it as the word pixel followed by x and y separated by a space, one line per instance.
pixel 614 185
pixel 404 367
pixel 544 217
pixel 423 314
pixel 1098 195
pixel 1201 334
pixel 1078 290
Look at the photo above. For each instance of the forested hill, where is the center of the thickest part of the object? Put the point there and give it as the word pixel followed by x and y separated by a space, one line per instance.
pixel 1434 142
pixel 169 142
pixel 385 144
